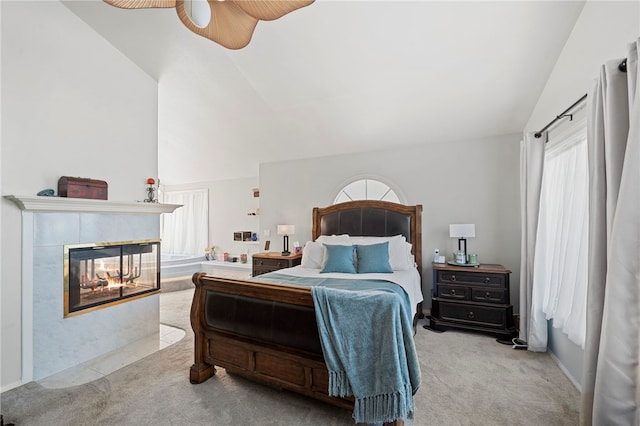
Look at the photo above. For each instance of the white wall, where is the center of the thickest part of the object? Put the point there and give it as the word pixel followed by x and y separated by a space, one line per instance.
pixel 600 34
pixel 72 105
pixel 474 181
pixel 230 202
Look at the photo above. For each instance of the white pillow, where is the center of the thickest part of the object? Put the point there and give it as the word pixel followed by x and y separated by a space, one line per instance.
pixel 314 252
pixel 312 255
pixel 364 240
pixel 400 257
pixel 411 258
pixel 334 239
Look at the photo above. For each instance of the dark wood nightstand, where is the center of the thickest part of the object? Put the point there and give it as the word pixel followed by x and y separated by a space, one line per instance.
pixel 472 298
pixel 273 261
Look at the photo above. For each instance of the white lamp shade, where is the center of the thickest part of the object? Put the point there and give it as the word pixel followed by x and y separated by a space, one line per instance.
pixel 462 230
pixel 286 229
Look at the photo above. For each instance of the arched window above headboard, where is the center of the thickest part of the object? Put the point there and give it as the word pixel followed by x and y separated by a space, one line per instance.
pixel 366 189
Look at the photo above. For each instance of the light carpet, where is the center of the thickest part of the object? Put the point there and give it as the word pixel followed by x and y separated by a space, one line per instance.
pixel 467 379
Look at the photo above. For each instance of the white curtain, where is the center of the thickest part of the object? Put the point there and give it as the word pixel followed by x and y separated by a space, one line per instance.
pixel 611 371
pixel 186 230
pixel 531 167
pixel 560 267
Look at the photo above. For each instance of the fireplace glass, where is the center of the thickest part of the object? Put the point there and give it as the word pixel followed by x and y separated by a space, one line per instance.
pixel 99 275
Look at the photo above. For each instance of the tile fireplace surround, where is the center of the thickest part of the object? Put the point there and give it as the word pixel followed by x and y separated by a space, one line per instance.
pixel 51 343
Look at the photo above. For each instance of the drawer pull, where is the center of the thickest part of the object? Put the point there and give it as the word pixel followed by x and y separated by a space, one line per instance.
pixel 487 280
pixel 453 277
pixel 452 292
pixel 487 295
pixel 470 315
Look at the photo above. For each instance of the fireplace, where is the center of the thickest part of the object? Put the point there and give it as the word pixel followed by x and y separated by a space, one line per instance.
pixel 105 274
pixel 52 342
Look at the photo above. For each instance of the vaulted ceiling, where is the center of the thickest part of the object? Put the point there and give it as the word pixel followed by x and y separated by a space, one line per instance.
pixel 339 77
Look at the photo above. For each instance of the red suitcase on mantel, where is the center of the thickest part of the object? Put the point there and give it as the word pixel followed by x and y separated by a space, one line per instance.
pixel 73 187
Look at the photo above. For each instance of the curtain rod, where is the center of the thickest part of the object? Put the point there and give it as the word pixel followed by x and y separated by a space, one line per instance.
pixel 622 67
pixel 562 115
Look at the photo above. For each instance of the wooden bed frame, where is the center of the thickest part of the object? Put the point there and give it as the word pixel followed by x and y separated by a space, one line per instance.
pixel 277 364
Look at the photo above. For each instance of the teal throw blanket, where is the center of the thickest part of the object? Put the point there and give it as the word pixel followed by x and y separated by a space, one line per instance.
pixel 367 342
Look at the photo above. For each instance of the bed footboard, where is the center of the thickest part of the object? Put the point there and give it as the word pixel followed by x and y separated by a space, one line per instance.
pixel 282 365
pixel 256 351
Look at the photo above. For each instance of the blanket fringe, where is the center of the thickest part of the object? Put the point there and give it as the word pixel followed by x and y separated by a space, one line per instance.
pixel 384 407
pixel 339 384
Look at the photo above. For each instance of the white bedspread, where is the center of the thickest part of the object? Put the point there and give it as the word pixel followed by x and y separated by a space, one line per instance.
pixel 408 279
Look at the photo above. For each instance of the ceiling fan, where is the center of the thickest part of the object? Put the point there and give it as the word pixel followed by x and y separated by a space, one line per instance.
pixel 230 22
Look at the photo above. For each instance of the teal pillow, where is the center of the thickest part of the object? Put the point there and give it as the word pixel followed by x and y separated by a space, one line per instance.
pixel 373 258
pixel 339 259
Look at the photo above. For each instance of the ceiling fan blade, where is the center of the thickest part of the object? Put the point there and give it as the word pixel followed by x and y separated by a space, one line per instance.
pixel 229 26
pixel 141 4
pixel 268 10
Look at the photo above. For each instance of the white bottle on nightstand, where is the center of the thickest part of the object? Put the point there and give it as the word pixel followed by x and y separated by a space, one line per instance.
pixel 436 257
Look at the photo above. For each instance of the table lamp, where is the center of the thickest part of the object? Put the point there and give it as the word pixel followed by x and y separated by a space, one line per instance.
pixel 462 231
pixel 286 230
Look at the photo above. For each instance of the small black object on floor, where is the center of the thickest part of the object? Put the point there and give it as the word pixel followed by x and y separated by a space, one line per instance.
pixel 515 342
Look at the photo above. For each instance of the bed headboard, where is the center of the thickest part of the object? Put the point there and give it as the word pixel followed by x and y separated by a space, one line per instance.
pixel 371 218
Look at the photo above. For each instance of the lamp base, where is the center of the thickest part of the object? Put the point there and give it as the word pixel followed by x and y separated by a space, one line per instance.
pixel 462 246
pixel 285 246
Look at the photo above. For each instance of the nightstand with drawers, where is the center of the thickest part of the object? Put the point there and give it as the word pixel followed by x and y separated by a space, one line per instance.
pixel 273 261
pixel 472 298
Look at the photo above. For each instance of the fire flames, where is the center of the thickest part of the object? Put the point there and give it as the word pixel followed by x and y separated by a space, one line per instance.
pixel 105 281
pixel 101 283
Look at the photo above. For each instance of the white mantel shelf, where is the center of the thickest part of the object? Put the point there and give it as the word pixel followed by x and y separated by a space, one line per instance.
pixel 82 205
